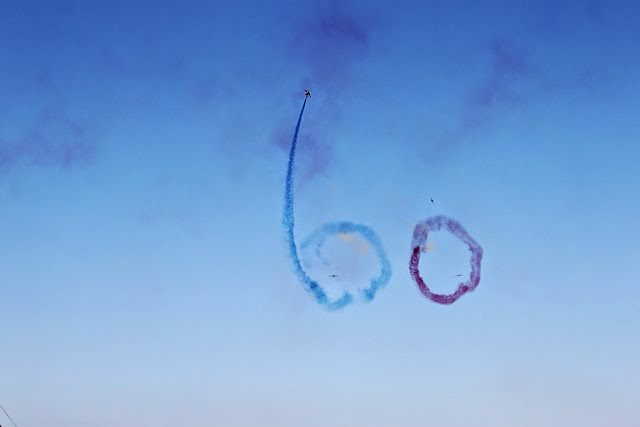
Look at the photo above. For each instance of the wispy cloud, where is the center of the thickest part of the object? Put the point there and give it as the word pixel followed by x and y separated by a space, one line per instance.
pixel 502 87
pixel 508 67
pixel 326 46
pixel 329 43
pixel 54 141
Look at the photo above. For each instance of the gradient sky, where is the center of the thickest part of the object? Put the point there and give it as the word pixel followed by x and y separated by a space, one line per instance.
pixel 144 278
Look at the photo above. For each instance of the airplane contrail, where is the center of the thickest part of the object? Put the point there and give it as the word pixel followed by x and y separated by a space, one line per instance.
pixel 8 416
pixel 320 236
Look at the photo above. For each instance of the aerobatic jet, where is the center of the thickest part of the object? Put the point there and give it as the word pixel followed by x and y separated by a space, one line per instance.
pixel 431 199
pixel 458 275
pixel 307 93
pixel 333 276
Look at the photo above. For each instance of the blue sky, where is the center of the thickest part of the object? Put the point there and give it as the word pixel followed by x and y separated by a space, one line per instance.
pixel 144 275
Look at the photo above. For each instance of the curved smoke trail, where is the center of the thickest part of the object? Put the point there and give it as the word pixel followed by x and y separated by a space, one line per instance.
pixel 420 234
pixel 320 236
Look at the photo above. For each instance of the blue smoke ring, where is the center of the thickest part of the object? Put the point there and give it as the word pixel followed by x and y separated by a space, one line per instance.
pixel 318 238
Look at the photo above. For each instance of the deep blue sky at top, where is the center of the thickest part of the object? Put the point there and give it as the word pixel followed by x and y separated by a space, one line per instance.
pixel 144 278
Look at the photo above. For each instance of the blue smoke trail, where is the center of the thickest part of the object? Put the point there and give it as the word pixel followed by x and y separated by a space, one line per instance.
pixel 320 236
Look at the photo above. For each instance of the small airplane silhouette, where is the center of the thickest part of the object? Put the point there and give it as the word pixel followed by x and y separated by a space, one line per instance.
pixel 333 276
pixel 458 275
pixel 307 93
pixel 431 199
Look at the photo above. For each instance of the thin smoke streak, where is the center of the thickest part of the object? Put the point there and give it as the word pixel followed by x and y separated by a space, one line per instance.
pixel 320 236
pixel 8 416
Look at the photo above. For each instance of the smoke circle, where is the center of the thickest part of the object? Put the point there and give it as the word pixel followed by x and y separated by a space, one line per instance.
pixel 420 235
pixel 319 237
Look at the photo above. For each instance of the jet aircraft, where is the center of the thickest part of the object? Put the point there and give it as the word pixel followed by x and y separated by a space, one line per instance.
pixel 307 93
